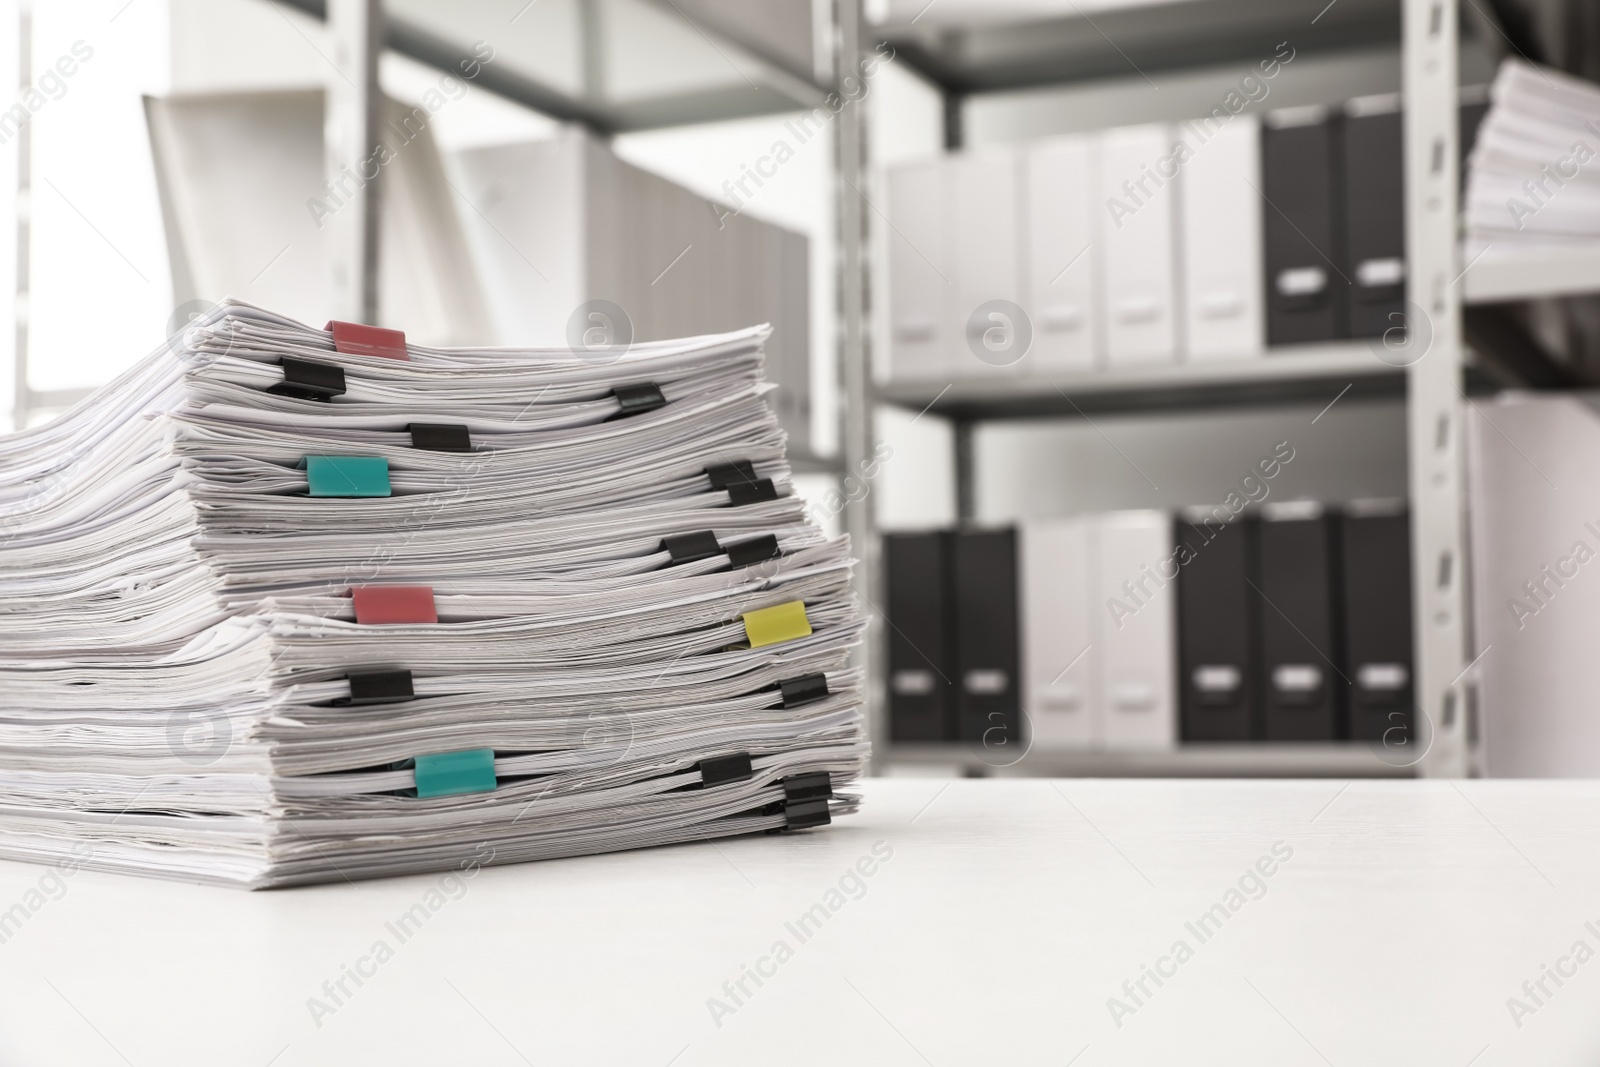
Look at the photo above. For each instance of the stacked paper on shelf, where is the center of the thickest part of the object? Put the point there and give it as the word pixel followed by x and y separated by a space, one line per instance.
pixel 285 605
pixel 1534 175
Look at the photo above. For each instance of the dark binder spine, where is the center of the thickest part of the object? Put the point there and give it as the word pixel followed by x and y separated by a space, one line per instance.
pixel 988 697
pixel 1218 686
pixel 1302 678
pixel 921 637
pixel 1306 291
pixel 1374 239
pixel 1377 626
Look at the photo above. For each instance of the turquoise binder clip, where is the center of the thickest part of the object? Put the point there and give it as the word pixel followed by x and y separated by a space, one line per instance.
pixel 447 774
pixel 347 475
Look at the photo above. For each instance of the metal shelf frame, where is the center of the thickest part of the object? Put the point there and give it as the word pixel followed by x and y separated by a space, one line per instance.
pixel 963 61
pixel 786 87
pixel 1562 270
pixel 1337 760
pixel 1149 39
pixel 1297 373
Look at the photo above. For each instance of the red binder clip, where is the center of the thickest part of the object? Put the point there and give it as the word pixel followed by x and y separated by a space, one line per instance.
pixel 377 604
pixel 354 339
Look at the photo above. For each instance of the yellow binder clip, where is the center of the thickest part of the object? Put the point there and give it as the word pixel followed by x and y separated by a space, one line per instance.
pixel 781 622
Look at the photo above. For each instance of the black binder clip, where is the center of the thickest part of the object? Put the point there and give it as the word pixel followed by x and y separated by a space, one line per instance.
pixel 379 687
pixel 739 479
pixel 637 399
pixel 722 769
pixel 805 801
pixel 806 689
pixel 440 437
pixel 742 493
pixel 689 547
pixel 749 553
pixel 740 470
pixel 305 379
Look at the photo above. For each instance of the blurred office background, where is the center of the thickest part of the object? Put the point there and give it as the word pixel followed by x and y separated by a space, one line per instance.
pixel 680 161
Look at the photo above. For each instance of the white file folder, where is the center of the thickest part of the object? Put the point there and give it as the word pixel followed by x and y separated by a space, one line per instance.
pixel 1058 231
pixel 921 285
pixel 1138 193
pixel 987 265
pixel 1059 644
pixel 1221 242
pixel 1135 619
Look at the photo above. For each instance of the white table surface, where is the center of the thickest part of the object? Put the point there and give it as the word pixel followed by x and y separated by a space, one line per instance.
pixel 1006 916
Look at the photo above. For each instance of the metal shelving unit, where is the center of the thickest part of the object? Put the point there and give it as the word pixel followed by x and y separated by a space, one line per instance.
pixel 1338 760
pixel 1293 373
pixel 962 60
pixel 1497 277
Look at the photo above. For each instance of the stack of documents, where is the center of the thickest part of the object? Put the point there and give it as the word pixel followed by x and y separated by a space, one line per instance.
pixel 285 605
pixel 1534 175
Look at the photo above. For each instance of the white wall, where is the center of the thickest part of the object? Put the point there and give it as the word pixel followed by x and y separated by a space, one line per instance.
pixel 101 293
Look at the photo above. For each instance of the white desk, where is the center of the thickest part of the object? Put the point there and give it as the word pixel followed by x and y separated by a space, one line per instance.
pixel 1008 914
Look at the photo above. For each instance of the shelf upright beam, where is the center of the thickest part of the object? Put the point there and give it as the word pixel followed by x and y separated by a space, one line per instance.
pixel 21 400
pixel 1435 407
pixel 963 432
pixel 953 103
pixel 857 432
pixel 351 133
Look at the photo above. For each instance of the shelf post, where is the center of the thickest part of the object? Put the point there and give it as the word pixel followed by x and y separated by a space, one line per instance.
pixel 855 362
pixel 351 133
pixel 21 398
pixel 1432 348
pixel 963 430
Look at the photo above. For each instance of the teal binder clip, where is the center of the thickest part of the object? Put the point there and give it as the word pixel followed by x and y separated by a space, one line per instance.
pixel 347 475
pixel 447 774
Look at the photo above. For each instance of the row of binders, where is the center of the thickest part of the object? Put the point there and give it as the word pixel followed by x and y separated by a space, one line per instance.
pixel 287 605
pixel 1146 245
pixel 1141 630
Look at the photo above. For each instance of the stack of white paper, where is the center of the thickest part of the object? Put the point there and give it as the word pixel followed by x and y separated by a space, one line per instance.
pixel 1534 174
pixel 219 577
